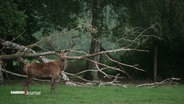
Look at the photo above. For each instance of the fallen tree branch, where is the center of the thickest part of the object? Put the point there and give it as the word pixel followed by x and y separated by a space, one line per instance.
pixel 110 58
pixel 74 75
pixel 123 64
pixel 110 67
pixel 82 57
pixel 112 83
pixel 20 48
pixel 100 70
pixel 23 54
pixel 74 84
pixel 164 82
pixel 34 54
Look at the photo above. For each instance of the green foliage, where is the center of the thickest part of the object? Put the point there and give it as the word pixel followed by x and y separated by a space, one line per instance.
pixel 13 21
pixel 58 12
pixel 15 63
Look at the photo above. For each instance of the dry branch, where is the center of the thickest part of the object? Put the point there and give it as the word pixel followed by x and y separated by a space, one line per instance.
pixel 123 64
pixel 104 52
pixel 19 47
pixel 117 62
pixel 110 67
pixel 164 82
pixel 24 54
pixel 34 54
pixel 141 34
pixel 112 83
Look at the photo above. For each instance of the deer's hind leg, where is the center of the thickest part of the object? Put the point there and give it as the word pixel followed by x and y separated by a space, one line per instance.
pixel 52 84
pixel 26 83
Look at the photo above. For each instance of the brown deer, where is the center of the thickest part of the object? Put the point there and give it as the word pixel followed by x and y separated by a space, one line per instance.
pixel 45 70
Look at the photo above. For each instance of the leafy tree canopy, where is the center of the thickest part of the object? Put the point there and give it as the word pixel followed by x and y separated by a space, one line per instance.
pixel 12 20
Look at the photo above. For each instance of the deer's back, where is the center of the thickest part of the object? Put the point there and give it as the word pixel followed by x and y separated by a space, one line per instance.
pixel 42 69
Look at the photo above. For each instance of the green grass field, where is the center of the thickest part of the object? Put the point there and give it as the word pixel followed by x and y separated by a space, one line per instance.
pixel 95 95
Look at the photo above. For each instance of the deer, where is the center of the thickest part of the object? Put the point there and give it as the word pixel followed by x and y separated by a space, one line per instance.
pixel 45 70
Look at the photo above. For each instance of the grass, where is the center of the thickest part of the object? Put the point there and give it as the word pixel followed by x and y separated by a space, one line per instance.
pixel 95 95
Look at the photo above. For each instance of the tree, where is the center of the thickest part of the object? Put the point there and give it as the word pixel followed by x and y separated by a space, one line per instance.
pixel 95 40
pixel 166 14
pixel 13 20
pixel 12 24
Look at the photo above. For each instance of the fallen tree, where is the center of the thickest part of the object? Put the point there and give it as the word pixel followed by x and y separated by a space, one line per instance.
pixel 23 51
pixel 26 51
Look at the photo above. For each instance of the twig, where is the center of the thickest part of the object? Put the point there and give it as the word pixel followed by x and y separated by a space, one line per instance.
pixel 143 35
pixel 18 36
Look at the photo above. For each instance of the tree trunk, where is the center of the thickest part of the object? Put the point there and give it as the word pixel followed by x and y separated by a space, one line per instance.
pixel 155 63
pixel 95 40
pixel 95 47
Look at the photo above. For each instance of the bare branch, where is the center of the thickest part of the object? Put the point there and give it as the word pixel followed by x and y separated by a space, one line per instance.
pixel 74 75
pixel 23 54
pixel 112 83
pixel 123 64
pixel 19 47
pixel 110 67
pixel 96 64
pixel 164 82
pixel 34 54
pixel 141 34
pixel 85 71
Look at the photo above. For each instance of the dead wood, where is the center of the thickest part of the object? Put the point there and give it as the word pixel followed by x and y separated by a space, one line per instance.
pixel 168 81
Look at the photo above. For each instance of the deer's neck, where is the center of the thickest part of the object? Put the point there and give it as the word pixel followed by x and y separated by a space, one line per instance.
pixel 60 62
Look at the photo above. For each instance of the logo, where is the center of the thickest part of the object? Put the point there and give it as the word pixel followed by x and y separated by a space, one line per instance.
pixel 25 93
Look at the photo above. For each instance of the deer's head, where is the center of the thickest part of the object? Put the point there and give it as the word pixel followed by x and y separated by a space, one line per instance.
pixel 62 53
